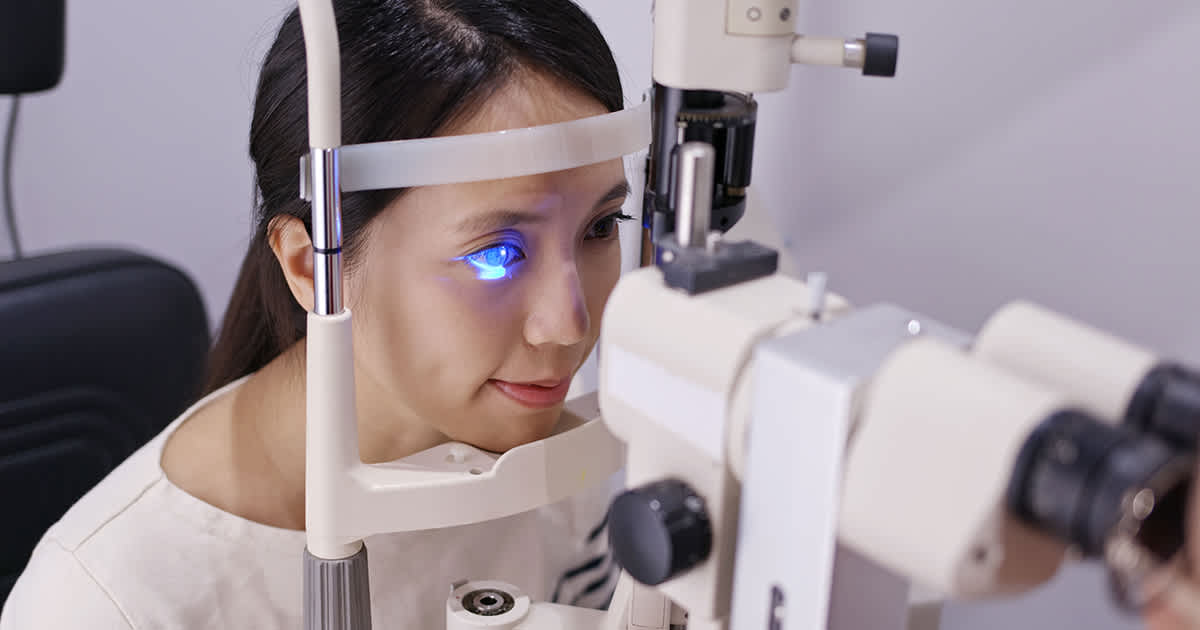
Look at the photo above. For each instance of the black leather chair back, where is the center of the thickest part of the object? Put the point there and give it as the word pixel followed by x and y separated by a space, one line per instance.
pixel 100 349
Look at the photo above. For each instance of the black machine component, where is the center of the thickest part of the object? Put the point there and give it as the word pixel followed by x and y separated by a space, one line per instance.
pixel 1076 477
pixel 1167 404
pixel 697 269
pixel 1102 488
pixel 880 56
pixel 488 602
pixel 659 531
pixel 724 120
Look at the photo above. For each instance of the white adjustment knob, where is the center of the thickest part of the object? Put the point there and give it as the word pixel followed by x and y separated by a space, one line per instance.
pixel 459 453
pixel 817 282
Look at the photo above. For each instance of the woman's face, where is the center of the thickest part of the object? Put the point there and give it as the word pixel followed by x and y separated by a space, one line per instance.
pixel 476 303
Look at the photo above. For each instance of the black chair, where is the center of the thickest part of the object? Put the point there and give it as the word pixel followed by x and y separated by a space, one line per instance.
pixel 100 349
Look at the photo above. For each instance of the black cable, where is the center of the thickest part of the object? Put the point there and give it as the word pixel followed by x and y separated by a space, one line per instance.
pixel 10 212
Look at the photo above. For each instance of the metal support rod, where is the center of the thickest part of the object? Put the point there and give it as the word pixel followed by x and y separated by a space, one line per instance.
pixel 854 53
pixel 326 198
pixel 694 192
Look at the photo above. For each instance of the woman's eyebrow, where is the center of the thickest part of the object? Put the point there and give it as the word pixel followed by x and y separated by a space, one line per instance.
pixel 498 220
pixel 502 219
pixel 616 193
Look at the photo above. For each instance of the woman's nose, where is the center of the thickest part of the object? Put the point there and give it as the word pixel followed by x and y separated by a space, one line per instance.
pixel 558 309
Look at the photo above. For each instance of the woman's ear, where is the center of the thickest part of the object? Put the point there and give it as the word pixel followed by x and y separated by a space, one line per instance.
pixel 293 249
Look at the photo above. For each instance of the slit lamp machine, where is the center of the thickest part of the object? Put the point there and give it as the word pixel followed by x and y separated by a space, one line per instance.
pixel 792 462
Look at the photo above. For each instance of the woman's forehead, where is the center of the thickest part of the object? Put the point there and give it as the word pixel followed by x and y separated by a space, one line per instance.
pixel 528 99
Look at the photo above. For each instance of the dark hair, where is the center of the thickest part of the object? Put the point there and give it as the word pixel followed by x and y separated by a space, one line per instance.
pixel 410 68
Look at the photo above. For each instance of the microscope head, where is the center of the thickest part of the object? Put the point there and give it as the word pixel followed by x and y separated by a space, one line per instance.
pixel 975 479
pixel 1136 392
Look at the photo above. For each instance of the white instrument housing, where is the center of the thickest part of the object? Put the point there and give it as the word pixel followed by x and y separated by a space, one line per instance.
pixel 674 388
pixel 929 467
pixel 1099 371
pixel 720 44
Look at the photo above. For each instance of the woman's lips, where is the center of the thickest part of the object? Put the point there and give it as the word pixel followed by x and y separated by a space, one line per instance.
pixel 536 396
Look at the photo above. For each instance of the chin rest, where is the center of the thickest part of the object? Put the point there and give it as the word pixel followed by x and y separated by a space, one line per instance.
pixel 102 348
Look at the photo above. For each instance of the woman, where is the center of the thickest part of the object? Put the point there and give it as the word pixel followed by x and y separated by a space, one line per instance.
pixel 203 527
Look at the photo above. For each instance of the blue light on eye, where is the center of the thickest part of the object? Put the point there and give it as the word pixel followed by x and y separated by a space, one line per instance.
pixel 492 263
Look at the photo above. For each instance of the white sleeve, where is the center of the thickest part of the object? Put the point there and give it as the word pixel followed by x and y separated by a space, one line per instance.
pixel 55 592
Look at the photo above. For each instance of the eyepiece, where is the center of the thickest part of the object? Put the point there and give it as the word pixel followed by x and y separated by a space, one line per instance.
pixel 1167 404
pixel 1088 483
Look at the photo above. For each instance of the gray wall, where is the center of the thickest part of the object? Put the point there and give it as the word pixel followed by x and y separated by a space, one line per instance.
pixel 1033 149
pixel 144 142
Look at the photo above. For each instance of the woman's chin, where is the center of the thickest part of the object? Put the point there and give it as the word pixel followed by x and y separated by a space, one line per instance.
pixel 521 430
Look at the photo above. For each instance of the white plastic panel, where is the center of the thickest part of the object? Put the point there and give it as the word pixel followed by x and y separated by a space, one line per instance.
pixel 693 50
pixel 494 155
pixel 693 413
pixel 761 17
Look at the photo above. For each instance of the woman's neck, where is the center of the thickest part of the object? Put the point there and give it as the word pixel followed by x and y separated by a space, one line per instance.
pixel 245 454
pixel 273 407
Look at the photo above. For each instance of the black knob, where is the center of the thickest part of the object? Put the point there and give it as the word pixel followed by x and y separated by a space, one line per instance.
pixel 881 54
pixel 1075 478
pixel 1167 405
pixel 659 530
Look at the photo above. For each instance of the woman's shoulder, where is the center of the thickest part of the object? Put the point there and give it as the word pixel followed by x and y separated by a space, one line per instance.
pixel 58 588
pixel 141 550
pixel 65 581
pixel 56 592
pixel 126 490
pixel 137 551
pixel 103 506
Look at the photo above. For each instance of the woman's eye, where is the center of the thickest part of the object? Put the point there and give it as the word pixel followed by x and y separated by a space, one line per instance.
pixel 493 262
pixel 605 227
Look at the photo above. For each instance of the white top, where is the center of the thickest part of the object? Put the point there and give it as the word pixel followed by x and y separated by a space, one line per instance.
pixel 137 552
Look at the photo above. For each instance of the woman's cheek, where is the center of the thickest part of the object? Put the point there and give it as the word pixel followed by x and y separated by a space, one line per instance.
pixel 1161 618
pixel 480 313
pixel 600 275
